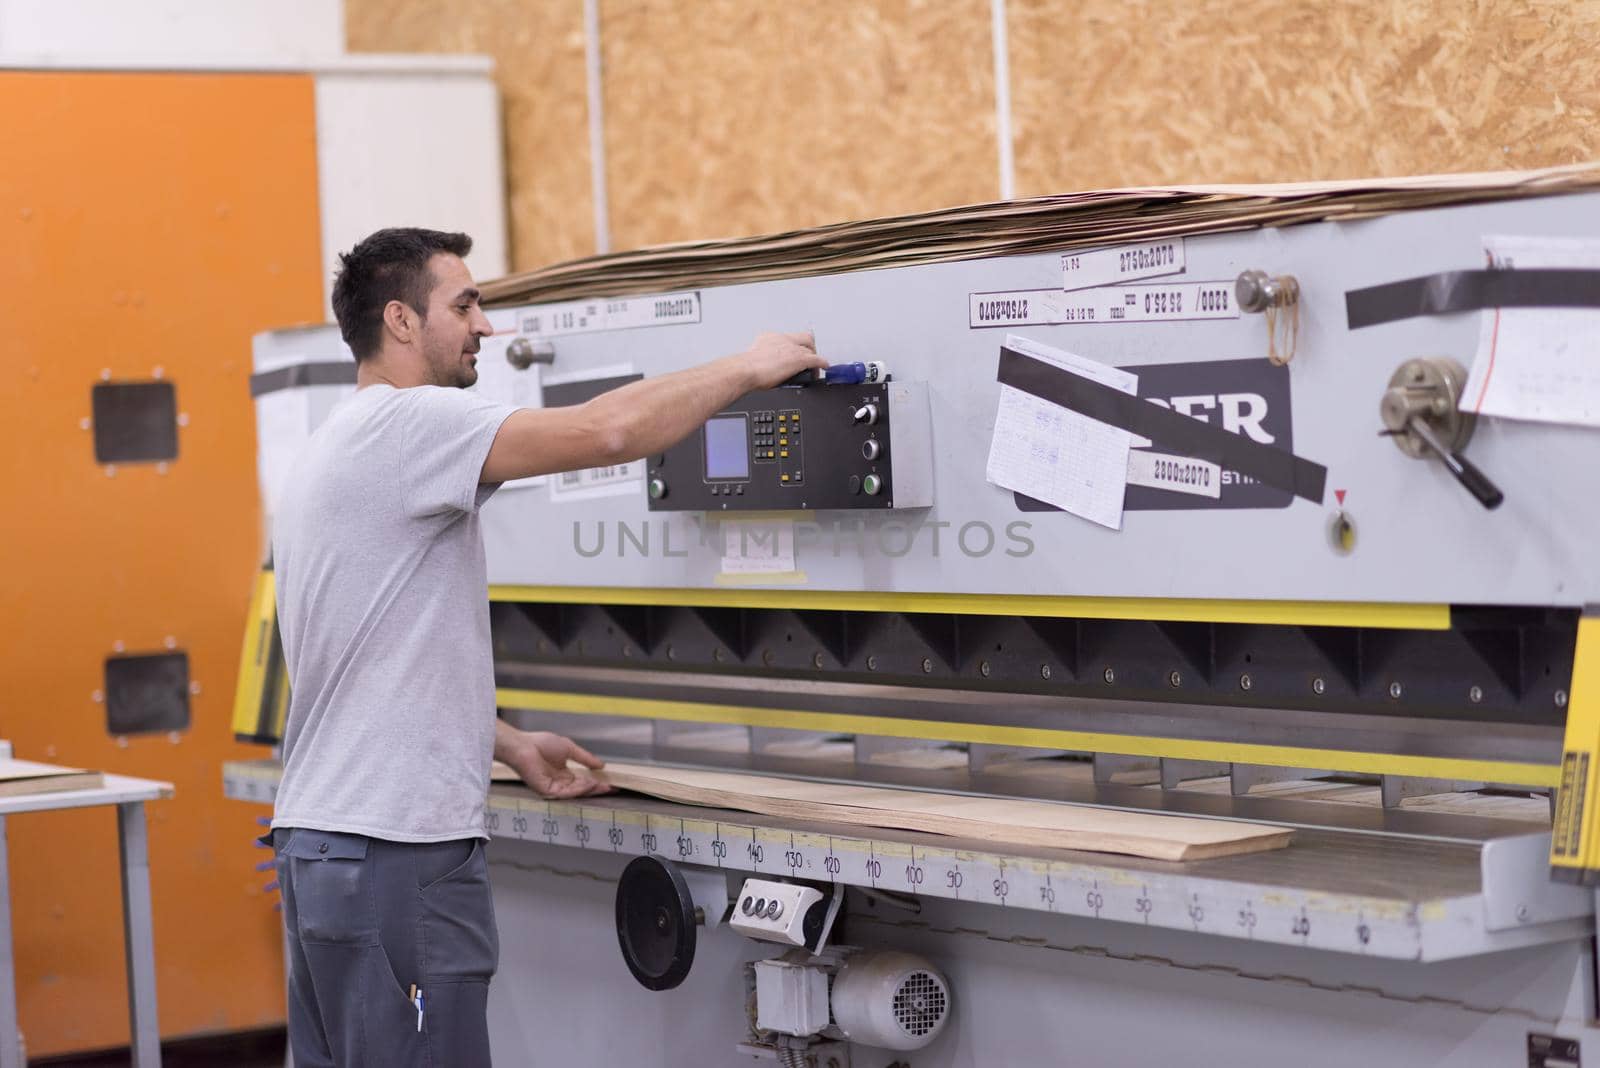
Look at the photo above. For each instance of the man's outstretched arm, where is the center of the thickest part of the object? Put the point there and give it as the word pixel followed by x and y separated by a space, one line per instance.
pixel 642 417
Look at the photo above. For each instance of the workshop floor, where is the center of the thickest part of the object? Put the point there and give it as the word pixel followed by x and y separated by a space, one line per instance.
pixel 257 1049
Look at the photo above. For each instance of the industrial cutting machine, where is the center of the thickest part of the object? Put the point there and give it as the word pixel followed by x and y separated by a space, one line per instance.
pixel 1270 505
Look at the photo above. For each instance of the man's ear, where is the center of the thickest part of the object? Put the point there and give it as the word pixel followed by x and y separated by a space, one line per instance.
pixel 400 321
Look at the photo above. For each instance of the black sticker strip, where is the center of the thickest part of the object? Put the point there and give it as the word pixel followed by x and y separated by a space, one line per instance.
pixel 1553 1051
pixel 330 373
pixel 1463 291
pixel 1169 430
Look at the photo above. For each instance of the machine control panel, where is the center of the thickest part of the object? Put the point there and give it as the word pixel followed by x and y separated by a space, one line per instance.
pixel 861 446
pixel 772 911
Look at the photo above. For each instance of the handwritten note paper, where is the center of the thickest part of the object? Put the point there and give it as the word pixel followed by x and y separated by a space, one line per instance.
pixel 1055 454
pixel 1540 364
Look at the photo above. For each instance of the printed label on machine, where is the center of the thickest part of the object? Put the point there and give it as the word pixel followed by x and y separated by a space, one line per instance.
pixel 1109 304
pixel 1121 263
pixel 1245 397
pixel 1180 474
pixel 611 313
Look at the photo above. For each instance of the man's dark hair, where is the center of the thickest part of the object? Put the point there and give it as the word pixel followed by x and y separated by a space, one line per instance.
pixel 388 265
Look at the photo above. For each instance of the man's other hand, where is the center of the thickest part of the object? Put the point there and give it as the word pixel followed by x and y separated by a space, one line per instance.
pixel 545 760
pixel 773 359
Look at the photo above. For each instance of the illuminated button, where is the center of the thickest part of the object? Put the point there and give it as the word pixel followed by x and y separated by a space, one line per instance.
pixel 871 485
pixel 783 418
pixel 783 441
pixel 784 477
pixel 783 453
pixel 658 489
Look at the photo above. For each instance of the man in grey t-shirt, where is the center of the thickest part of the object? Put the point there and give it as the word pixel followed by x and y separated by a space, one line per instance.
pixel 384 613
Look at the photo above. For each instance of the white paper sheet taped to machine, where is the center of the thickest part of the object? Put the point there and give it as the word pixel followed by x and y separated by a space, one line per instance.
pixel 757 548
pixel 1057 455
pixel 1540 364
pixel 1121 263
pixel 1180 474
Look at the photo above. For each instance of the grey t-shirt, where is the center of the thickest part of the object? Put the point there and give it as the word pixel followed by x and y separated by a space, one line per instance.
pixel 384 611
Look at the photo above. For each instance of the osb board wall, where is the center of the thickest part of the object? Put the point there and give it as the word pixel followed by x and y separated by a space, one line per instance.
pixel 537 46
pixel 1107 92
pixel 728 117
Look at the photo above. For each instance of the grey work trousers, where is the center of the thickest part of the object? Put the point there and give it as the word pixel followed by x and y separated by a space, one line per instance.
pixel 368 919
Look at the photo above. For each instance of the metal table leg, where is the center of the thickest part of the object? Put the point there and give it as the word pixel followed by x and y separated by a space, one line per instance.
pixel 145 1039
pixel 10 1037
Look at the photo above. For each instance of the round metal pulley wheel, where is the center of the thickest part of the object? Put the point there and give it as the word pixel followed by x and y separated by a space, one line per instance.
pixel 656 920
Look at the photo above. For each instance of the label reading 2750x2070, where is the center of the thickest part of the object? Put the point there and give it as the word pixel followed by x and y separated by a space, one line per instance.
pixel 1121 263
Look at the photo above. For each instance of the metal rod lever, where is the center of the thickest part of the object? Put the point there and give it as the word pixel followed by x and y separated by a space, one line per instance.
pixel 1475 481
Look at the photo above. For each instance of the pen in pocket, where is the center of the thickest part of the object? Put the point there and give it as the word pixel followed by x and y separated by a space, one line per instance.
pixel 416 999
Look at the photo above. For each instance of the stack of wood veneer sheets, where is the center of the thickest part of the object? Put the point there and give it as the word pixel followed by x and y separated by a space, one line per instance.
pixel 994 820
pixel 1015 227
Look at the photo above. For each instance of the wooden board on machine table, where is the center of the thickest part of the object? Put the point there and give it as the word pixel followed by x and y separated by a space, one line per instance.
pixel 1036 824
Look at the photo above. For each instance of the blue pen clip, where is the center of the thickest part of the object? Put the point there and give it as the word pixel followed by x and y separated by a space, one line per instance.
pixel 419 1009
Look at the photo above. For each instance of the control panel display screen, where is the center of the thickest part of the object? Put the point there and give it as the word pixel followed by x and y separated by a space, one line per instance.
pixel 727 448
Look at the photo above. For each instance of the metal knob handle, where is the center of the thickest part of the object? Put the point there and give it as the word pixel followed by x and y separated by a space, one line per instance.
pixel 1256 291
pixel 1420 413
pixel 1465 472
pixel 523 352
